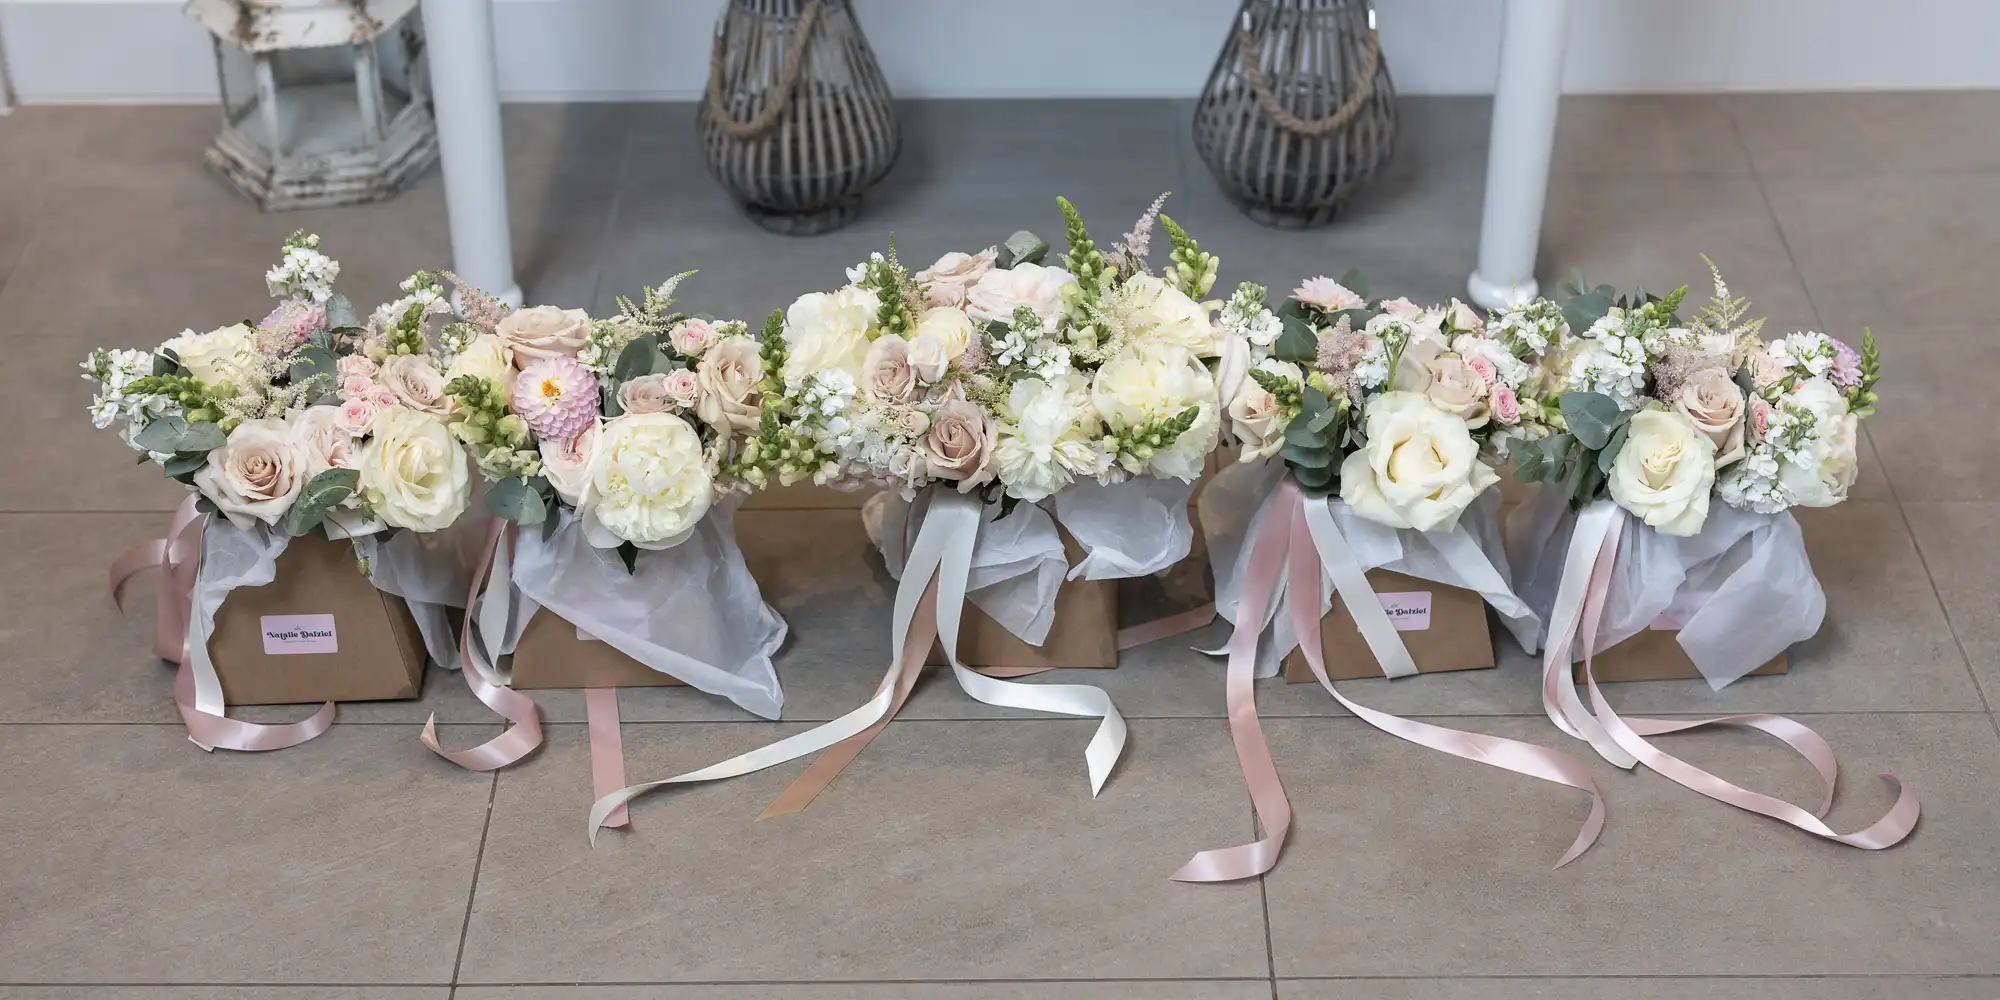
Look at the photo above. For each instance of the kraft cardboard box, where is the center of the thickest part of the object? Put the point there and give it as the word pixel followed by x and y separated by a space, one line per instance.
pixel 1084 633
pixel 1444 628
pixel 1656 655
pixel 318 632
pixel 553 653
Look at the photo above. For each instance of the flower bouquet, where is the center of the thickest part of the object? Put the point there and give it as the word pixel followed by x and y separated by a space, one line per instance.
pixel 292 432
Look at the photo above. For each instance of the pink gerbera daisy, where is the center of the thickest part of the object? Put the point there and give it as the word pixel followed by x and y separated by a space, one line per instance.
pixel 556 396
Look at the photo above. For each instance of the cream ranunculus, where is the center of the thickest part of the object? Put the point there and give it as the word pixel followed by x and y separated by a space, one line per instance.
pixel 829 330
pixel 488 357
pixel 257 472
pixel 649 484
pixel 1420 468
pixel 545 332
pixel 727 376
pixel 886 374
pixel 1140 386
pixel 1715 403
pixel 213 357
pixel 1158 313
pixel 324 439
pixel 999 293
pixel 959 446
pixel 1664 472
pixel 417 384
pixel 413 474
pixel 945 282
pixel 567 463
pixel 1254 414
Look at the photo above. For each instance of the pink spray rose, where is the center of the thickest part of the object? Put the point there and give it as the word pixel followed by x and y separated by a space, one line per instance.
pixel 1483 367
pixel 1506 406
pixel 357 415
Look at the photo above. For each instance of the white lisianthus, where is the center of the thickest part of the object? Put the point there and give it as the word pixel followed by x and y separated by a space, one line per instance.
pixel 1420 468
pixel 1158 314
pixel 413 473
pixel 997 293
pixel 1044 444
pixel 486 356
pixel 216 356
pixel 828 330
pixel 1664 472
pixel 1159 382
pixel 256 474
pixel 651 486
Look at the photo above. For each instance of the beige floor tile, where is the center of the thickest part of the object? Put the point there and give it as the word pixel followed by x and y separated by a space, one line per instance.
pixel 1891 251
pixel 1646 134
pixel 1036 990
pixel 225 992
pixel 135 857
pixel 1934 403
pixel 1960 548
pixel 1664 988
pixel 959 850
pixel 1859 132
pixel 1407 862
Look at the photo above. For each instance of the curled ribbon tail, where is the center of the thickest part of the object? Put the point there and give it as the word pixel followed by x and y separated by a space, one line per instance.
pixel 524 733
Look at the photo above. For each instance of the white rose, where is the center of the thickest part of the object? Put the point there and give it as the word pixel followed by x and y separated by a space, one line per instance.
pixel 567 463
pixel 927 357
pixel 256 474
pixel 1158 313
pixel 488 357
pixel 1140 386
pixel 650 484
pixel 1254 413
pixel 1664 472
pixel 417 384
pixel 412 471
pixel 952 328
pixel 1420 468
pixel 323 439
pixel 1834 455
pixel 829 330
pixel 214 357
pixel 545 332
pixel 998 293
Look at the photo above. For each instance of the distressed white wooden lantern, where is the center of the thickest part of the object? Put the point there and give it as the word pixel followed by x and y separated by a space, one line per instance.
pixel 324 102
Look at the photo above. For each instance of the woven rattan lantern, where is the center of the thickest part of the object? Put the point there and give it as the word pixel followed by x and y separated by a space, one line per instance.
pixel 1299 110
pixel 798 120
pixel 324 102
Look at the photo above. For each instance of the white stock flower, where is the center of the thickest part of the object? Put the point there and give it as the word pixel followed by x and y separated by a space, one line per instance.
pixel 1420 468
pixel 1664 472
pixel 828 330
pixel 1141 386
pixel 651 486
pixel 216 356
pixel 413 473
pixel 1044 444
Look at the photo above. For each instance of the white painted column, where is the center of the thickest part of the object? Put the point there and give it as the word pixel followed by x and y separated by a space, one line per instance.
pixel 1525 99
pixel 465 88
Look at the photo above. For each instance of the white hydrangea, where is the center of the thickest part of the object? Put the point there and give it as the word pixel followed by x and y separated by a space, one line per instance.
pixel 1612 364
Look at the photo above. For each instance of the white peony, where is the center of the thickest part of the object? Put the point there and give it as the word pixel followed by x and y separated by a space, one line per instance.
pixel 1144 385
pixel 998 293
pixel 256 474
pixel 1664 472
pixel 413 474
pixel 1044 443
pixel 1156 313
pixel 651 485
pixel 828 330
pixel 486 356
pixel 214 357
pixel 1420 468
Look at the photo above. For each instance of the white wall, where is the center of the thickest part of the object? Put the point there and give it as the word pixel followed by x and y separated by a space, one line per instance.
pixel 143 50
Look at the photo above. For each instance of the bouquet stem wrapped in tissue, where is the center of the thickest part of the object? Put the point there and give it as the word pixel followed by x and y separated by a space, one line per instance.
pixel 309 427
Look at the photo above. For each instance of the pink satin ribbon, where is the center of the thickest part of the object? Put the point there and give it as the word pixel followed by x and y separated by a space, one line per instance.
pixel 1629 734
pixel 178 557
pixel 1286 520
pixel 607 749
pixel 525 733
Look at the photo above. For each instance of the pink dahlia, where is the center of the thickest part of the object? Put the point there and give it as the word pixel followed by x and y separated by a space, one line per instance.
pixel 556 396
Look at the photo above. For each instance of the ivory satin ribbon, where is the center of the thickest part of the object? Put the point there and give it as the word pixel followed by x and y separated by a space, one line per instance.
pixel 475 662
pixel 1315 544
pixel 180 635
pixel 930 595
pixel 1580 599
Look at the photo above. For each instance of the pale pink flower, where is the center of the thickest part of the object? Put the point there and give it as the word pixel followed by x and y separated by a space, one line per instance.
pixel 1760 420
pixel 383 398
pixel 683 387
pixel 556 396
pixel 1765 370
pixel 1483 366
pixel 1402 308
pixel 357 364
pixel 357 386
pixel 357 415
pixel 1846 371
pixel 692 337
pixel 1506 406
pixel 1327 294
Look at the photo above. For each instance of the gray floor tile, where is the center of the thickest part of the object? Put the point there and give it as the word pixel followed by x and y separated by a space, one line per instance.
pixel 1393 842
pixel 1892 251
pixel 1663 988
pixel 1927 428
pixel 137 858
pixel 225 992
pixel 1862 132
pixel 940 834
pixel 1258 989
pixel 45 403
pixel 1963 556
pixel 1646 134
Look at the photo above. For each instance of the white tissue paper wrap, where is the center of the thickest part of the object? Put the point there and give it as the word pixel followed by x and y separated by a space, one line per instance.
pixel 1470 556
pixel 1134 528
pixel 431 572
pixel 1742 588
pixel 692 612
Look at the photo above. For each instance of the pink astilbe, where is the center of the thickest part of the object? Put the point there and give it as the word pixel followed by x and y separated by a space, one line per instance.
pixel 1340 352
pixel 480 309
pixel 556 396
pixel 284 332
pixel 1678 367
pixel 1130 254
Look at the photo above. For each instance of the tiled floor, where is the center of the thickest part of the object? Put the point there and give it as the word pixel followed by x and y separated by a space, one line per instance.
pixel 960 858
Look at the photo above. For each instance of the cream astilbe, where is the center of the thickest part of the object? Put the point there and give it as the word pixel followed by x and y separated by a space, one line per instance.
pixel 257 396
pixel 1724 316
pixel 1678 366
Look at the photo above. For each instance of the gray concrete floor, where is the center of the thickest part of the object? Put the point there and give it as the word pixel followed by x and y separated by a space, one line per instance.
pixel 960 858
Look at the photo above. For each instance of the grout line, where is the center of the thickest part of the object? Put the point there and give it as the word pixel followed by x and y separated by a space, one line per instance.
pixel 478 862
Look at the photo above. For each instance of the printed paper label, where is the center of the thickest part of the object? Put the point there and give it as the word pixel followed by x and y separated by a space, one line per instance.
pixel 582 636
pixel 1409 612
pixel 288 634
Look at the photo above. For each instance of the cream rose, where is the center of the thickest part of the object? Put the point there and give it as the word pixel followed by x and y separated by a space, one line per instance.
pixel 256 474
pixel 487 357
pixel 417 384
pixel 567 463
pixel 324 439
pixel 1715 403
pixel 829 330
pixel 413 473
pixel 649 484
pixel 1141 386
pixel 886 374
pixel 1420 468
pixel 952 328
pixel 214 357
pixel 1254 413
pixel 996 295
pixel 727 379
pixel 545 332
pixel 1158 313
pixel 1664 472
pixel 959 446
pixel 945 283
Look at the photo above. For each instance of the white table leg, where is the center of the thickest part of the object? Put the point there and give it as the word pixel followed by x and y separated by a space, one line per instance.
pixel 465 88
pixel 1525 99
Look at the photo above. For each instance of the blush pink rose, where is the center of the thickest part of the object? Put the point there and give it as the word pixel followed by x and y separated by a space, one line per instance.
pixel 683 387
pixel 383 399
pixel 692 337
pixel 1402 308
pixel 357 364
pixel 1483 367
pixel 357 415
pixel 1760 420
pixel 1506 406
pixel 357 386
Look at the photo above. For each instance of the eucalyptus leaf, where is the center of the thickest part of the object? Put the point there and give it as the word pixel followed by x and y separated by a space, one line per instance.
pixel 1591 417
pixel 162 435
pixel 313 361
pixel 1300 433
pixel 1290 308
pixel 1317 482
pixel 1297 343
pixel 184 463
pixel 328 489
pixel 1023 247
pixel 516 501
pixel 341 314
pixel 204 505
pixel 630 554
pixel 165 362
pixel 1583 311
pixel 1528 462
pixel 637 358
pixel 1325 419
pixel 1310 458
pixel 1357 319
pixel 1591 485
pixel 1612 447
pixel 203 436
pixel 1354 281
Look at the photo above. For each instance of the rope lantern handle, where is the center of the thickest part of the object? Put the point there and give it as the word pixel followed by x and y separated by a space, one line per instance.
pixel 788 77
pixel 1260 85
